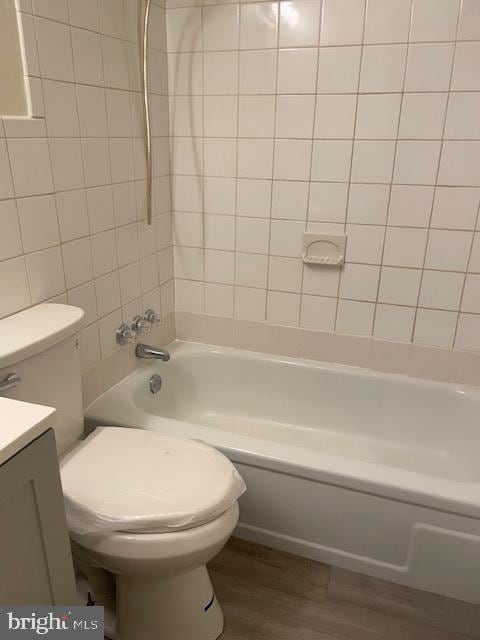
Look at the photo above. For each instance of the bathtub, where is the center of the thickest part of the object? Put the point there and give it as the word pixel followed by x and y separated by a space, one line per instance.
pixel 373 472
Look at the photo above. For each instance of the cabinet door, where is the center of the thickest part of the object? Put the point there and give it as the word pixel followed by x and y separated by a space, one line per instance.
pixel 35 558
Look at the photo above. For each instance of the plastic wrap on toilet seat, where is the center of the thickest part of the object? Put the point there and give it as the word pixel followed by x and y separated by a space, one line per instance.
pixel 121 479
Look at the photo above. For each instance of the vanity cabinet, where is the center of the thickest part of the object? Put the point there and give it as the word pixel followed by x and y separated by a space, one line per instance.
pixel 35 558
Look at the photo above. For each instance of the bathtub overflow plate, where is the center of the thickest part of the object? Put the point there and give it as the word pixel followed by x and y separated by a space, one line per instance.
pixel 155 383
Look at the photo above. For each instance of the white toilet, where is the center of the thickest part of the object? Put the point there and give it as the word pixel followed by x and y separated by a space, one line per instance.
pixel 147 509
pixel 152 510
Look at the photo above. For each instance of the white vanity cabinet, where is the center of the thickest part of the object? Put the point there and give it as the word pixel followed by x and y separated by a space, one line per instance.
pixel 35 559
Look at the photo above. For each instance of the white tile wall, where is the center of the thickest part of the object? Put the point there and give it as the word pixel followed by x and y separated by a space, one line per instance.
pixel 72 188
pixel 347 116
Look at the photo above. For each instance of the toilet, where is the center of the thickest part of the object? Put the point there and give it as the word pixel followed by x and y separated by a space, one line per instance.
pixel 152 510
pixel 146 511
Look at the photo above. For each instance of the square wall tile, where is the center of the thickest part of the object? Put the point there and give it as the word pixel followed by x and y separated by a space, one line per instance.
pixel 286 238
pixel 394 323
pixel 220 72
pixel 455 207
pixel 220 157
pixel 54 50
pixel 285 274
pixel 387 26
pixel 258 25
pixel 359 282
pixel 318 312
pixel 331 160
pixel 67 166
pixel 255 158
pixel 292 159
pixel 38 222
pixel 471 294
pixel 410 205
pixel 289 199
pixel 368 203
pixel 30 163
pixel 462 117
pixel 299 23
pixel 220 232
pixel 338 69
pixel 405 247
pixel 45 274
pixel 467 337
pixel 377 116
pixel 383 68
pixel 14 286
pixel 365 243
pixel 416 162
pixel 320 282
pixel 220 27
pixel 256 116
pixel 373 161
pixel 327 201
pixel 283 308
pixel 448 250
pixel 434 20
pixel 469 25
pixel 250 304
pixel 441 290
pixel 6 185
pixel 220 266
pixel 184 29
pixel 252 235
pixel 251 270
pixel 429 66
pixel 294 116
pixel 77 262
pixel 10 239
pixel 219 299
pixel 435 328
pixel 355 318
pixel 423 116
pixel 460 164
pixel 219 195
pixel 297 71
pixel 61 109
pixel 342 22
pixel 335 116
pixel 253 198
pixel 258 71
pixel 399 286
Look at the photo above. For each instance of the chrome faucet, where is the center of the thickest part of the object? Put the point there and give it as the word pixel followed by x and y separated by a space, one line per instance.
pixel 151 353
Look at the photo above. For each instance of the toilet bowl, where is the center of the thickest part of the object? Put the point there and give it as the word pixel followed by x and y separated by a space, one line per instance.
pixel 151 510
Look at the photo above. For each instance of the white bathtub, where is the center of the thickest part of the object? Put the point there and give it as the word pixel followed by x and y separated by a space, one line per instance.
pixel 374 472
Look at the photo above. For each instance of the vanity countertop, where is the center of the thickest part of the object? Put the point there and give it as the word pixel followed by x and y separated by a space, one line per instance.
pixel 20 423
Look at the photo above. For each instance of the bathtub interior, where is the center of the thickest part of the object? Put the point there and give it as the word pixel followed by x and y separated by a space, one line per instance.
pixel 389 420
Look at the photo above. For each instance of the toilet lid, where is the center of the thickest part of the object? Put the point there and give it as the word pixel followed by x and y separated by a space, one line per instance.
pixel 121 479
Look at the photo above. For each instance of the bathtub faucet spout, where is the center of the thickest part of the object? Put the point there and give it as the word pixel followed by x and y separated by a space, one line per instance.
pixel 150 353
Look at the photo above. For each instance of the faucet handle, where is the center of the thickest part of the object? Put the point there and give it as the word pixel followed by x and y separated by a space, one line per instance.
pixel 140 325
pixel 152 317
pixel 124 334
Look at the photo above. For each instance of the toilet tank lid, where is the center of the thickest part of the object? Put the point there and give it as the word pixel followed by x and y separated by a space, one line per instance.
pixel 33 330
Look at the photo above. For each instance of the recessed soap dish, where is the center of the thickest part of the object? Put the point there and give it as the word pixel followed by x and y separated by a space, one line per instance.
pixel 323 249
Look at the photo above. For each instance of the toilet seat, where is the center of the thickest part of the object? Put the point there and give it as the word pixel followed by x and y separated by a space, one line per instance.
pixel 132 480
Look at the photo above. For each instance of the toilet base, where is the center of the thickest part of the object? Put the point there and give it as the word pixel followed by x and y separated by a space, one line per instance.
pixel 181 607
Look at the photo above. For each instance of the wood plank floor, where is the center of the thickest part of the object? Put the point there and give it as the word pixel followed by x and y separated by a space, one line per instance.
pixel 271 595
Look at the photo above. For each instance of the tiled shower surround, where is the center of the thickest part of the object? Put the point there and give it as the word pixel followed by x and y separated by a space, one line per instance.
pixel 72 180
pixel 350 116
pixel 344 116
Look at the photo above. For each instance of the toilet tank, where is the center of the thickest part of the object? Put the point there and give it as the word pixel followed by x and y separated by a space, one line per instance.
pixel 41 346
